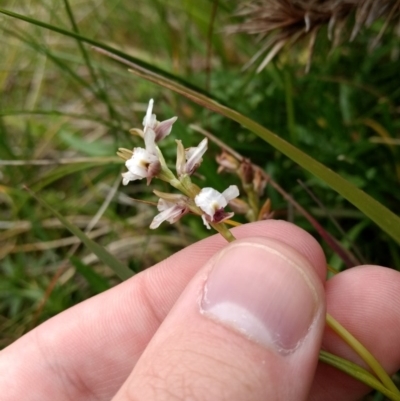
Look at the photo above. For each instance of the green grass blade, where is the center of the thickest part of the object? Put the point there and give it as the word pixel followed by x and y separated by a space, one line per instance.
pixel 101 46
pixel 120 270
pixel 382 216
pixel 101 92
pixel 357 372
pixel 363 352
pixel 57 61
pixel 96 281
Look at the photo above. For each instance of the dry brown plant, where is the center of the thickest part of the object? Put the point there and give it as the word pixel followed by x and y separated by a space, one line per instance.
pixel 280 23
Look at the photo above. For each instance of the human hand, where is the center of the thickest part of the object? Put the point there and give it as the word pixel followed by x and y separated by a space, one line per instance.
pixel 253 335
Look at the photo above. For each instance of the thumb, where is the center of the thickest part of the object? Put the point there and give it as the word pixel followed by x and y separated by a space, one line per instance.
pixel 247 327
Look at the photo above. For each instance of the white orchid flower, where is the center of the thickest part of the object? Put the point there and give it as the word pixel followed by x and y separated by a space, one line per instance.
pixel 189 160
pixel 171 211
pixel 161 128
pixel 212 203
pixel 142 164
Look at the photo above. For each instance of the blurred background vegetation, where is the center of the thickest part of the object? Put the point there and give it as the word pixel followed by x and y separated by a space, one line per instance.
pixel 65 110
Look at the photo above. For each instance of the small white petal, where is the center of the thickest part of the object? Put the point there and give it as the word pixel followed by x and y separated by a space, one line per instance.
pixel 147 120
pixel 199 149
pixel 164 205
pixel 129 176
pixel 194 155
pixel 204 218
pixel 170 212
pixel 209 201
pixel 150 141
pixel 138 164
pixel 160 218
pixel 231 193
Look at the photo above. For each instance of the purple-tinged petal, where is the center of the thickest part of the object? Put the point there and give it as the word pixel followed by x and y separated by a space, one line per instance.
pixel 152 171
pixel 220 216
pixel 194 156
pixel 170 212
pixel 163 128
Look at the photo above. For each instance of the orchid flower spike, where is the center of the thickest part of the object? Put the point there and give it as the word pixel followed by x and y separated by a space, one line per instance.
pixel 161 129
pixel 212 203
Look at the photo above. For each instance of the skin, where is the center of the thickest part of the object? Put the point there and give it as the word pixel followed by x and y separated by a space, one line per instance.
pixel 145 339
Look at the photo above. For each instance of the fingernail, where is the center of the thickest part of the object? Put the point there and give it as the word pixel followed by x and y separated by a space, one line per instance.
pixel 262 293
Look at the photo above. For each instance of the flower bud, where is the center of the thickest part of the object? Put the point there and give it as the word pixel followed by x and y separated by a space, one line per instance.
pixel 265 211
pixel 239 206
pixel 137 132
pixel 180 158
pixel 125 154
pixel 246 173
pixel 259 181
pixel 227 162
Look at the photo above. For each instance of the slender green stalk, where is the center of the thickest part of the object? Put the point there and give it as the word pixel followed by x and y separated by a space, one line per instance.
pixel 100 91
pixel 224 231
pixel 107 258
pixel 100 45
pixel 253 200
pixel 368 358
pixel 290 107
pixel 358 373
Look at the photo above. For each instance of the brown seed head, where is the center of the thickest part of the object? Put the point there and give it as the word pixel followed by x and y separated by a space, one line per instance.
pixel 281 22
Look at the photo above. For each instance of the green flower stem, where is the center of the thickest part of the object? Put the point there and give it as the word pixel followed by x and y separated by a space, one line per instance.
pixel 185 186
pixel 368 358
pixel 253 201
pixel 177 184
pixel 358 373
pixel 224 231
